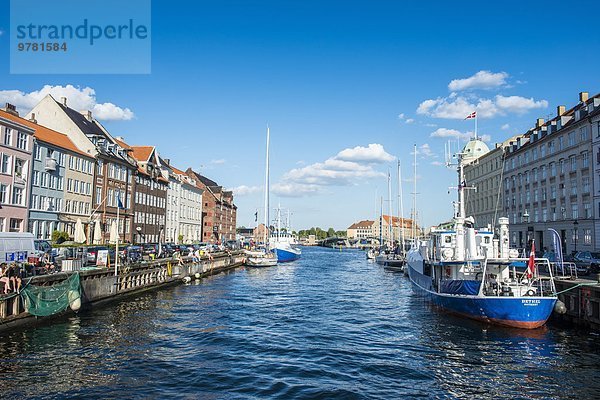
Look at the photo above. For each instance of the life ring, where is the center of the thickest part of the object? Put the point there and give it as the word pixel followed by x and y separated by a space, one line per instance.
pixel 530 292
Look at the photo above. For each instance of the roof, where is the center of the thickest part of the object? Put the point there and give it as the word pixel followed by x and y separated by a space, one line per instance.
pixel 361 224
pixel 86 126
pixel 46 135
pixel 141 153
pixel 207 182
pixel 123 144
pixel 398 221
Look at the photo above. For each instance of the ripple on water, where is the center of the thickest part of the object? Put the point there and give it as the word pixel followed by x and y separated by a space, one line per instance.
pixel 330 325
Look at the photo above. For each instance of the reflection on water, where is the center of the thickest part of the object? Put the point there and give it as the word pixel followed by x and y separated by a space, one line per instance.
pixel 328 325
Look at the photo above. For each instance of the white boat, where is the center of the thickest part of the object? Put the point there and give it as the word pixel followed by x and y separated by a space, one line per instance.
pixel 283 242
pixel 264 257
pixel 470 273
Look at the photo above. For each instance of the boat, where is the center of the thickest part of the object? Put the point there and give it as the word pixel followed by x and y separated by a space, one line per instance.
pixel 470 273
pixel 283 242
pixel 371 254
pixel 261 258
pixel 264 257
pixel 394 259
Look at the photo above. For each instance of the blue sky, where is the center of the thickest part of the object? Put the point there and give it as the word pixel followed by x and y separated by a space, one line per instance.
pixel 328 76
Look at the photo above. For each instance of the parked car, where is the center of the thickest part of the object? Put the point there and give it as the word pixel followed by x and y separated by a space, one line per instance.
pixel 150 250
pixel 590 258
pixel 182 249
pixel 131 254
pixel 168 249
pixel 583 267
pixel 42 246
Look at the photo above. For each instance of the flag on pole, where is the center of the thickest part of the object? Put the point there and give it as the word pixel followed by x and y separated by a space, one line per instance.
pixel 531 262
pixel 472 115
pixel 119 203
pixel 256 216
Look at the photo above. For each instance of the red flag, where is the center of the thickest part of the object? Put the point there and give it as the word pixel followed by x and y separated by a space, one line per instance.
pixel 472 115
pixel 531 262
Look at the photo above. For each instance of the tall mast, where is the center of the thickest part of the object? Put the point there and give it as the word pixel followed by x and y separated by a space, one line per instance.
pixel 381 222
pixel 400 206
pixel 415 198
pixel 266 211
pixel 391 224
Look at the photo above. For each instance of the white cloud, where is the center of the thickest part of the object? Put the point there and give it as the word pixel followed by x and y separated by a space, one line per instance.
pixel 485 138
pixel 401 116
pixel 459 107
pixel 349 167
pixel 437 163
pixel 244 190
pixel 108 111
pixel 292 189
pixel 505 127
pixel 425 151
pixel 1 32
pixel 450 133
pixel 374 153
pixel 481 80
pixel 409 121
pixel 219 161
pixel 518 104
pixel 77 98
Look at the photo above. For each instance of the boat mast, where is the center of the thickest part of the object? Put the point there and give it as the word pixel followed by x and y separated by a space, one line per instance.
pixel 414 222
pixel 266 210
pixel 381 222
pixel 391 224
pixel 400 206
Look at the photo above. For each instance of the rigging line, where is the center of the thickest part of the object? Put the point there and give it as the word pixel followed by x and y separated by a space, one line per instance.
pixel 499 190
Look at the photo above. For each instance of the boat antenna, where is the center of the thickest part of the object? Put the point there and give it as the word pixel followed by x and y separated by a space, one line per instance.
pixel 400 205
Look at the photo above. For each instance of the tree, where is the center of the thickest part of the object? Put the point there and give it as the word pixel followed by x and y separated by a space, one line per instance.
pixel 180 239
pixel 330 232
pixel 59 236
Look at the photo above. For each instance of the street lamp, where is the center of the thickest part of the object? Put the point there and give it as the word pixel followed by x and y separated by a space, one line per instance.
pixel 575 228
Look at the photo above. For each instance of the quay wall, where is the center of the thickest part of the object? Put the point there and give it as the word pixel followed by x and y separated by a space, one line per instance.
pixel 582 303
pixel 102 286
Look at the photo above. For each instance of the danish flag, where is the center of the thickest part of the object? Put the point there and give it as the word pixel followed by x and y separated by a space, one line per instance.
pixel 531 261
pixel 472 115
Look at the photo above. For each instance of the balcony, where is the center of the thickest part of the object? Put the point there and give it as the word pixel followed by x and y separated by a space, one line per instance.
pixel 50 164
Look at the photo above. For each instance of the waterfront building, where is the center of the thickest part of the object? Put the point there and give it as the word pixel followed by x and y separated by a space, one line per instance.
pixel 150 195
pixel 184 207
pixel 218 208
pixel 15 170
pixel 549 180
pixel 61 184
pixel 360 230
pixel 400 226
pixel 484 198
pixel 114 167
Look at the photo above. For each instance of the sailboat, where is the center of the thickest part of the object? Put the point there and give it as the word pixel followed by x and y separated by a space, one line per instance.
pixel 390 257
pixel 467 272
pixel 283 242
pixel 264 257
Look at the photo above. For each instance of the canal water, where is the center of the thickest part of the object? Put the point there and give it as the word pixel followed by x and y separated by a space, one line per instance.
pixel 330 325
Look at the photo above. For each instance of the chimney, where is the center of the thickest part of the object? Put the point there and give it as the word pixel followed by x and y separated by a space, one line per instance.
pixel 539 123
pixel 88 115
pixel 63 100
pixel 167 161
pixel 560 110
pixel 583 96
pixel 32 118
pixel 11 109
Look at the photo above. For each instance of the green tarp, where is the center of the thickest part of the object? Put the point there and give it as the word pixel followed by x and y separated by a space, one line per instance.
pixel 43 301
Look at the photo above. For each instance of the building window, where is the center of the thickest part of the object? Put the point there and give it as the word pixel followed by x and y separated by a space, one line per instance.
pixel 5 167
pixel 571 138
pixel 585 184
pixel 585 159
pixel 38 153
pixel 7 136
pixel 17 197
pixel 574 187
pixel 587 210
pixel 15 224
pixel 3 190
pixel 36 178
pixel 573 162
pixel 574 211
pixel 583 133
pixel 587 236
pixel 22 141
pixel 99 167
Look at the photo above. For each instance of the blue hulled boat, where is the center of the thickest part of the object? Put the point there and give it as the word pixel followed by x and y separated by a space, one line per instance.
pixel 472 273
